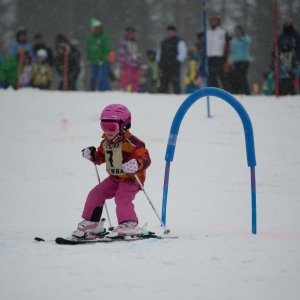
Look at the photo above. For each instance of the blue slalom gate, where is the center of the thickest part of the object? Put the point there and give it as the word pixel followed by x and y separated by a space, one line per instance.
pixel 249 139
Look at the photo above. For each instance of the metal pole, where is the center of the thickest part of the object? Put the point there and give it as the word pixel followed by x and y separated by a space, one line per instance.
pixel 165 193
pixel 141 186
pixel 110 227
pixel 66 70
pixel 205 57
pixel 253 195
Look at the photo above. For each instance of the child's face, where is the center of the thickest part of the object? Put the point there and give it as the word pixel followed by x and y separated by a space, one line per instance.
pixel 151 56
pixel 111 135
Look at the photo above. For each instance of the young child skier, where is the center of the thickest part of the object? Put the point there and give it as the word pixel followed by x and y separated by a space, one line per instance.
pixel 125 156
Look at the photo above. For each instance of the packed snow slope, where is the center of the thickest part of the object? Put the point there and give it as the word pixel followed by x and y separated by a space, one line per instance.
pixel 44 183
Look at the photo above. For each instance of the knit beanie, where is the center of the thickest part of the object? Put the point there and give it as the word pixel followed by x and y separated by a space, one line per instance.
pixel 95 22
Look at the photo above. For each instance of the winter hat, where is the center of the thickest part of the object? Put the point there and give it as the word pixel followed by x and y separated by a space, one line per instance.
pixel 95 22
pixel 240 29
pixel 130 28
pixel 215 15
pixel 42 53
pixel 151 51
pixel 21 30
pixel 38 36
pixel 171 27
pixel 200 35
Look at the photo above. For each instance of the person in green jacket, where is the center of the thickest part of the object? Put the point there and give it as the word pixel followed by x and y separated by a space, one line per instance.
pixel 9 70
pixel 98 47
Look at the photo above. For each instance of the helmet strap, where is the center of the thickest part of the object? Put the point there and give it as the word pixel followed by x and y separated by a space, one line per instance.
pixel 122 131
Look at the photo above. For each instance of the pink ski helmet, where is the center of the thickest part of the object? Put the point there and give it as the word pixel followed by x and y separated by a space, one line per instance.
pixel 117 112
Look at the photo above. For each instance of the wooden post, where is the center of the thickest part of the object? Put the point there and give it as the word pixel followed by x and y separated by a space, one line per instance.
pixel 66 71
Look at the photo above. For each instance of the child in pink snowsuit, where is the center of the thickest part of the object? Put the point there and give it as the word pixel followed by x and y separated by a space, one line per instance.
pixel 130 62
pixel 125 156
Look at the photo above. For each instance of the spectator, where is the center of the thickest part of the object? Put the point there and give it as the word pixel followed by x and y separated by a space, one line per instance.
pixel 98 48
pixel 12 73
pixel 171 53
pixel 144 79
pixel 72 46
pixel 153 71
pixel 21 42
pixel 130 61
pixel 63 50
pixel 200 45
pixel 287 64
pixel 268 84
pixel 41 73
pixel 39 43
pixel 217 44
pixel 239 48
pixel 291 35
pixel 190 79
pixel 201 76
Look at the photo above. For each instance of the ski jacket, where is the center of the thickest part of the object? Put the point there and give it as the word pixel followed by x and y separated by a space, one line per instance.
pixel 154 70
pixel 14 48
pixel 153 76
pixel 287 64
pixel 9 71
pixel 216 42
pixel 172 51
pixel 129 54
pixel 190 77
pixel 293 37
pixel 73 65
pixel 239 48
pixel 125 148
pixel 98 46
pixel 41 74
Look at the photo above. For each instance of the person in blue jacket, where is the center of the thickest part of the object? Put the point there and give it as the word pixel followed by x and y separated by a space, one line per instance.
pixel 21 42
pixel 239 49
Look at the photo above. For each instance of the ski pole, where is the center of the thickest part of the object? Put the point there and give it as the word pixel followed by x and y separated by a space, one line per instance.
pixel 111 228
pixel 162 224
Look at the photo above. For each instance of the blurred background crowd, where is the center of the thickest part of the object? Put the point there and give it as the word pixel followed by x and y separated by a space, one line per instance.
pixel 172 64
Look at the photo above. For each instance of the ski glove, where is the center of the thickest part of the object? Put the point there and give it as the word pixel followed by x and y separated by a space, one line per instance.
pixel 131 166
pixel 89 153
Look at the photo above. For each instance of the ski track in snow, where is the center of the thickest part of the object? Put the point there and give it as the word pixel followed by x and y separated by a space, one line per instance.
pixel 44 182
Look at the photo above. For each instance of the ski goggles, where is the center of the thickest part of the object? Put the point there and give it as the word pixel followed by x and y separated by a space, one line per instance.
pixel 110 126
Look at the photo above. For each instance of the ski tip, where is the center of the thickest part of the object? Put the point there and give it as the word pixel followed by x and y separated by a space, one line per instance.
pixel 38 239
pixel 62 241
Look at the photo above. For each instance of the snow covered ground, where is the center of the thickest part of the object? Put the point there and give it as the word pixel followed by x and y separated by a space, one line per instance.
pixel 44 182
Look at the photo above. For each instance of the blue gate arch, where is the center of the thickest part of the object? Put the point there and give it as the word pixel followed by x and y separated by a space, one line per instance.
pixel 249 139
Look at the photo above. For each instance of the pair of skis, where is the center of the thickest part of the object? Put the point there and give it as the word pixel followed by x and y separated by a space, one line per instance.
pixel 103 239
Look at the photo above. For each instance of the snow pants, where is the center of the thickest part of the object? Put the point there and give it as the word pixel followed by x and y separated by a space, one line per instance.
pixel 100 77
pixel 124 193
pixel 239 83
pixel 170 75
pixel 130 79
pixel 216 71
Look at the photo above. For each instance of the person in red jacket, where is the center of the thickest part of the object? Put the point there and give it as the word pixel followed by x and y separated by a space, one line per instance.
pixel 125 156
